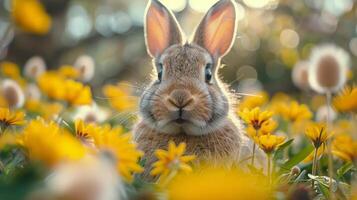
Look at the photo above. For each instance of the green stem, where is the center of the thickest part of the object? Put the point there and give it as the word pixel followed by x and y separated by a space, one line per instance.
pixel 253 154
pixel 314 165
pixel 166 180
pixel 269 167
pixel 329 145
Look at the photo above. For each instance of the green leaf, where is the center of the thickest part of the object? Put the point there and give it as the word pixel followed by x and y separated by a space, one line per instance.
pixel 323 189
pixel 281 149
pixel 300 177
pixel 344 169
pixel 296 159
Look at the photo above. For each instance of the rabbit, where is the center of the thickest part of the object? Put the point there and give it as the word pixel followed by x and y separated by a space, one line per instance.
pixel 187 102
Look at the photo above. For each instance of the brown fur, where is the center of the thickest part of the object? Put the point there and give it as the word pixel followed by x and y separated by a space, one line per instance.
pixel 220 147
pixel 184 92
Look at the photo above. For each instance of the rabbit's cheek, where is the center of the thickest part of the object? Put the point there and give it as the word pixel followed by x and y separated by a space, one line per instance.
pixel 160 112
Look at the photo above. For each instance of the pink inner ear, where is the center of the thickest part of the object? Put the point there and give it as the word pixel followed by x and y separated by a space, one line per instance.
pixel 219 30
pixel 157 31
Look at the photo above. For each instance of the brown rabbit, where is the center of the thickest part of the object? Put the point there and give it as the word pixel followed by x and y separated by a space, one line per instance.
pixel 187 103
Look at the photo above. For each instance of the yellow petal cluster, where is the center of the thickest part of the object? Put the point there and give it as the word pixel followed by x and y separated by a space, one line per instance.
pixel 255 117
pixel 294 112
pixel 120 146
pixel 219 183
pixel 31 16
pixel 172 160
pixel 9 118
pixel 68 71
pixel 9 69
pixel 57 87
pixel 250 102
pixel 76 93
pixel 344 147
pixel 267 127
pixel 346 100
pixel 317 133
pixel 119 97
pixel 46 110
pixel 48 143
pixel 269 143
pixel 86 132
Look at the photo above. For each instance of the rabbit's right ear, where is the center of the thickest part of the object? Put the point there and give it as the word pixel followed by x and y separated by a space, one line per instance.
pixel 217 30
pixel 161 29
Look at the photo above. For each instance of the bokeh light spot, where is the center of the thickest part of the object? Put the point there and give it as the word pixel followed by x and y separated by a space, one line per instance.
pixel 289 38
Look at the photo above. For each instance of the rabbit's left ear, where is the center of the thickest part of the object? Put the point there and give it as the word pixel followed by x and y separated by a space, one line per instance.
pixel 161 29
pixel 217 30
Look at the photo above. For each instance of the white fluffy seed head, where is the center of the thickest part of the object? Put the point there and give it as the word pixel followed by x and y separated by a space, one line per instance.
pixel 32 92
pixel 34 67
pixel 86 67
pixel 91 114
pixel 91 178
pixel 328 68
pixel 13 93
pixel 322 113
pixel 300 75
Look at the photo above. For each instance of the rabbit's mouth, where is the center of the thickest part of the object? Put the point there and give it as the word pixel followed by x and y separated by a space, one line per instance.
pixel 180 121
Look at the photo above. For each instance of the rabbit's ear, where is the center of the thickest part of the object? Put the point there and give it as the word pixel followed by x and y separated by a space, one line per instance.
pixel 161 29
pixel 217 30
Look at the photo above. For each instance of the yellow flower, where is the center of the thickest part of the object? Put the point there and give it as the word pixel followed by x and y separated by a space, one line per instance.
pixel 85 133
pixel 119 97
pixel 219 183
pixel 345 147
pixel 31 16
pixel 317 134
pixel 48 143
pixel 76 93
pixel 68 71
pixel 255 117
pixel 269 143
pixel 8 118
pixel 122 148
pixel 172 160
pixel 46 110
pixel 343 126
pixel 59 88
pixel 51 84
pixel 267 127
pixel 294 112
pixel 10 69
pixel 251 102
pixel 346 100
pixel 277 101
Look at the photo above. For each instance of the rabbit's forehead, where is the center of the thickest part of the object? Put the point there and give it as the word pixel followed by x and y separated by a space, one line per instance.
pixel 186 59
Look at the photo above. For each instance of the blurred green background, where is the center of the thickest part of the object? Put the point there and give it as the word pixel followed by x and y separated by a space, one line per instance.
pixel 272 36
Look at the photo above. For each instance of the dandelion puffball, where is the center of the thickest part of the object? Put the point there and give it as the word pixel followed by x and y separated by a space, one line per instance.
pixel 32 92
pixel 34 67
pixel 322 112
pixel 300 75
pixel 85 66
pixel 91 178
pixel 13 93
pixel 91 114
pixel 328 68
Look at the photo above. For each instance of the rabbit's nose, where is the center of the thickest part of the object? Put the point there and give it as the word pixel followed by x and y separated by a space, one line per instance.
pixel 180 99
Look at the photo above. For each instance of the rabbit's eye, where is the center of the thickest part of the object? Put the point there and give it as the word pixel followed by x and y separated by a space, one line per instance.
pixel 159 72
pixel 208 72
